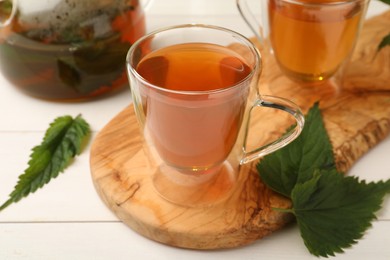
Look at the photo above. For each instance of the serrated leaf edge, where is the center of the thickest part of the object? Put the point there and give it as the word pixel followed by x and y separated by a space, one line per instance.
pixel 44 175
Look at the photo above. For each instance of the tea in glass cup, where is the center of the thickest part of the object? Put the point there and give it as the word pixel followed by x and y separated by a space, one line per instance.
pixel 311 40
pixel 193 95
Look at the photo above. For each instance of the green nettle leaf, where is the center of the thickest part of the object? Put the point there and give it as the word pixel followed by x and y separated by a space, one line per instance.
pixel 333 211
pixel 63 140
pixel 312 150
pixel 385 42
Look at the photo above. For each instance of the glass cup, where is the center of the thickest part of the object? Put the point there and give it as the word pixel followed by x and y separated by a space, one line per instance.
pixel 311 40
pixel 194 88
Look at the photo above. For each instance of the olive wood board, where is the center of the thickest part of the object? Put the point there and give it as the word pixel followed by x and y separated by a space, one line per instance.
pixel 356 118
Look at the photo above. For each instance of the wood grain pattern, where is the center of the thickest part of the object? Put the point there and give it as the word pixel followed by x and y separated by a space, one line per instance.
pixel 357 119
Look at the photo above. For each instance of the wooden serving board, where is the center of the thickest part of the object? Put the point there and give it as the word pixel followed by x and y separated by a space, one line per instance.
pixel 357 119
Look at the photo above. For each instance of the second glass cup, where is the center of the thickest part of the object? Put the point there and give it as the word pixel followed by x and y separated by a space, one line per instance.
pixel 194 88
pixel 311 40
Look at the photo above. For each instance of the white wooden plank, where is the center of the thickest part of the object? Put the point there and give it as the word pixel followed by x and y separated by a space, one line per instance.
pixel 233 22
pixel 375 166
pixel 69 197
pixel 44 241
pixel 199 8
pixel 20 112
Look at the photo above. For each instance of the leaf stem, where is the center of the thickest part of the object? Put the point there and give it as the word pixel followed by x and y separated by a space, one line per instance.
pixel 6 204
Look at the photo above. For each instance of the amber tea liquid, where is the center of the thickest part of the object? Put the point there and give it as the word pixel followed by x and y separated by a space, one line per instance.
pixel 310 43
pixel 194 131
pixel 74 64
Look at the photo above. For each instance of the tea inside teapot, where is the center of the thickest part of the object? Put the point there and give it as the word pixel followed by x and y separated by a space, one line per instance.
pixel 68 49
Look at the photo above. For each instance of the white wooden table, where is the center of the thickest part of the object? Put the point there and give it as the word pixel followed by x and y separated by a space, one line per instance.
pixel 67 220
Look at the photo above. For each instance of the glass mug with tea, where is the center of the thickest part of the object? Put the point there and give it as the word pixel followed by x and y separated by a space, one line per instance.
pixel 193 94
pixel 68 50
pixel 311 40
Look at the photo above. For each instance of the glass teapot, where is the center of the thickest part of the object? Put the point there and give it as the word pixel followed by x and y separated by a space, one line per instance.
pixel 68 50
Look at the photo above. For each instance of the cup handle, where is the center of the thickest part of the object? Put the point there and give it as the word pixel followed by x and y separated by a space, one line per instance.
pixel 292 133
pixel 7 7
pixel 250 19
